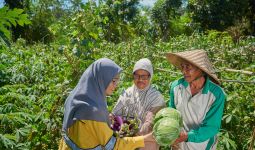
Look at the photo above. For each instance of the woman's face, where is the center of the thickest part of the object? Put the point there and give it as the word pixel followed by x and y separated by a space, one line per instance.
pixel 141 79
pixel 190 72
pixel 113 85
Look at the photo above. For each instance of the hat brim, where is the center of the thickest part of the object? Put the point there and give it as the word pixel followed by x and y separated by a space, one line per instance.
pixel 176 60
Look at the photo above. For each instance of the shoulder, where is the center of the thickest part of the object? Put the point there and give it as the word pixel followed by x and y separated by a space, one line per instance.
pixel 155 96
pixel 177 83
pixel 153 90
pixel 127 91
pixel 216 90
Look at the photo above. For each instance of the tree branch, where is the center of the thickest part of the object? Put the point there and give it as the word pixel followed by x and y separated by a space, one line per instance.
pixel 239 71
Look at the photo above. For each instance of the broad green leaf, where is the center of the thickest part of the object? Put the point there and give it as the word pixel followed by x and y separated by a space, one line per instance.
pixel 229 118
pixel 13 22
pixel 18 11
pixel 5 31
pixel 75 32
pixel 94 35
pixel 11 137
pixel 7 24
pixel 12 14
pixel 20 22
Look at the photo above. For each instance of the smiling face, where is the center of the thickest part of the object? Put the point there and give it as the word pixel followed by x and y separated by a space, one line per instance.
pixel 190 72
pixel 141 78
pixel 113 85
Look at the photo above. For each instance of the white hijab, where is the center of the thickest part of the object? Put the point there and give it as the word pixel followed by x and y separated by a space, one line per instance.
pixel 144 64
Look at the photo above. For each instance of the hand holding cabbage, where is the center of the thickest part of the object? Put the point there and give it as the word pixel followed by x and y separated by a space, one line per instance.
pixel 167 126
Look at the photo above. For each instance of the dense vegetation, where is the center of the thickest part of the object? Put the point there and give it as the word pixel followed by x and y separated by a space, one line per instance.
pixel 61 38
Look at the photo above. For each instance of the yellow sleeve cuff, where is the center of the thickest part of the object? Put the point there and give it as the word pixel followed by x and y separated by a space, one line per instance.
pixel 139 140
pixel 132 142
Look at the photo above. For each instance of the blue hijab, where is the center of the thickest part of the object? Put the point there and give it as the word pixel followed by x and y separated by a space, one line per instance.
pixel 87 101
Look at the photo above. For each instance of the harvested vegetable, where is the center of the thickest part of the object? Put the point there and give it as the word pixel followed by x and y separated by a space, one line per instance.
pixel 166 131
pixel 167 126
pixel 170 113
pixel 125 126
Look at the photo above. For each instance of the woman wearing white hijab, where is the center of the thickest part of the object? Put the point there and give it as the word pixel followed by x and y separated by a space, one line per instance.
pixel 141 100
pixel 86 122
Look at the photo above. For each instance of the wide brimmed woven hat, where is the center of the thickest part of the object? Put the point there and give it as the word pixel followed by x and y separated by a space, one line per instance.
pixel 197 58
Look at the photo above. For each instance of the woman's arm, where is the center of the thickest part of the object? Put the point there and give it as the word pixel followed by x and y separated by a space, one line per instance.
pixel 147 125
pixel 90 134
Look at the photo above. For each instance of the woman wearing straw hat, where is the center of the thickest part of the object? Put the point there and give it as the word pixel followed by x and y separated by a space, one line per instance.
pixel 199 98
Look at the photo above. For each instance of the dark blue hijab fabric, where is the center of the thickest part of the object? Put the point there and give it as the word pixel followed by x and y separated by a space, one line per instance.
pixel 87 101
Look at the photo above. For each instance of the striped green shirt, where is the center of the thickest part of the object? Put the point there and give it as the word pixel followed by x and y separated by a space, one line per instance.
pixel 201 113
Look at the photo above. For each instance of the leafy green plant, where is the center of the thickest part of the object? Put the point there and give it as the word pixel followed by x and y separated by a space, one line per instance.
pixel 36 79
pixel 11 17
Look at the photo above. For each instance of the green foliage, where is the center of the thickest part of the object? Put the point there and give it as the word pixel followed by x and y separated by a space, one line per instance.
pixel 117 18
pixel 10 18
pixel 164 14
pixel 122 20
pixel 34 84
pixel 218 15
pixel 35 80
pixel 43 14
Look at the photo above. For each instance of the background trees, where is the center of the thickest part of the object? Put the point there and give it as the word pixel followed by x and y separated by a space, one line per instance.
pixel 45 46
pixel 121 20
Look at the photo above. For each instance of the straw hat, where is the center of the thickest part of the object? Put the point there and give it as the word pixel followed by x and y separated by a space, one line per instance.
pixel 197 58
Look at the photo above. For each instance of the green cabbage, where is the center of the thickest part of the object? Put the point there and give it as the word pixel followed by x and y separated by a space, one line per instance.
pixel 166 131
pixel 170 113
pixel 167 126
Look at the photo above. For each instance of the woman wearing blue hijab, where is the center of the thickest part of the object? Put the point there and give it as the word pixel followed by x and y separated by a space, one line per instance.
pixel 86 121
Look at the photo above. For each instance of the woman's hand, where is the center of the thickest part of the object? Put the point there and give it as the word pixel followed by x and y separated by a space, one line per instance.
pixel 149 138
pixel 111 116
pixel 147 125
pixel 182 138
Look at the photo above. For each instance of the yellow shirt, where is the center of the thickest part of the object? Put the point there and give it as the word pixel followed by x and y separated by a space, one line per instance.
pixel 89 134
